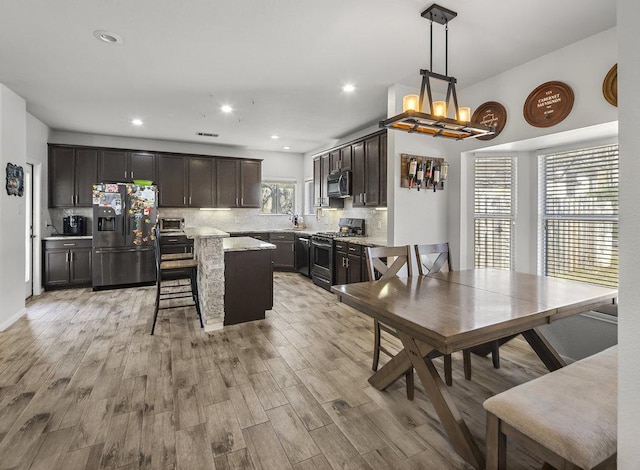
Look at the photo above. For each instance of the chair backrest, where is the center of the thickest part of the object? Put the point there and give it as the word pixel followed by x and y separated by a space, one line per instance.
pixel 156 246
pixel 402 255
pixel 432 258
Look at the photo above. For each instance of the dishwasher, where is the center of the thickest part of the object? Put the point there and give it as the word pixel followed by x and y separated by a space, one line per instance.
pixel 303 247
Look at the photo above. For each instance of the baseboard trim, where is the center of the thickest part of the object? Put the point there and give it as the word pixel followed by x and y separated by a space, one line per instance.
pixel 12 319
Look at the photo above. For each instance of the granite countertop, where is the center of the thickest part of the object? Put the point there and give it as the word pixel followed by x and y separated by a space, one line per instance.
pixel 245 244
pixel 368 241
pixel 299 231
pixel 68 237
pixel 204 232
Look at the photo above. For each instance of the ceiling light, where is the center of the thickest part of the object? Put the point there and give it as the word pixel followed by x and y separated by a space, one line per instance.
pixel 226 108
pixel 286 147
pixel 136 122
pixel 348 88
pixel 108 37
pixel 435 121
pixel 275 137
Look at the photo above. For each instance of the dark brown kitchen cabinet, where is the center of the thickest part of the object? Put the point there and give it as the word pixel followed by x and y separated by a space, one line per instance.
pixel 113 166
pixel 175 243
pixel 284 256
pixel 321 170
pixel 67 263
pixel 383 170
pixel 122 166
pixel 72 174
pixel 201 182
pixel 366 172
pixel 340 159
pixel 349 263
pixel 172 181
pixel 250 179
pixel 238 182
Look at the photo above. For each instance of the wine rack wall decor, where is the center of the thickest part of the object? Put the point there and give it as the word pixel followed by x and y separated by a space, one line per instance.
pixel 433 167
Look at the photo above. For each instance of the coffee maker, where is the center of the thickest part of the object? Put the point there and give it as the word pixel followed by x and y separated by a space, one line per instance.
pixel 74 225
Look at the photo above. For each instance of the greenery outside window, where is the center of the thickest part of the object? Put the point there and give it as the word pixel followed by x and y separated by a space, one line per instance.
pixel 278 197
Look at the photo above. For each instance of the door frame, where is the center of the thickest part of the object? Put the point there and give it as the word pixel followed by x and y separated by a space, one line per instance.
pixel 36 202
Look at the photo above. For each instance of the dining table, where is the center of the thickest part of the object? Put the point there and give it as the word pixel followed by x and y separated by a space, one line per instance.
pixel 447 312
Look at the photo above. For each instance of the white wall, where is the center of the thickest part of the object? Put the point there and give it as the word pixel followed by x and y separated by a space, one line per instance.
pixel 629 319
pixel 12 235
pixel 36 148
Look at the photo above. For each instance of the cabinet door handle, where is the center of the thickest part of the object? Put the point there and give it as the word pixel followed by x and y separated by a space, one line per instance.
pixel 292 248
pixel 347 263
pixel 365 198
pixel 71 256
pixel 69 244
pixel 131 174
pixel 125 174
pixel 236 202
pixel 66 257
pixel 189 200
pixel 242 201
pixel 343 264
pixel 73 198
pixel 184 200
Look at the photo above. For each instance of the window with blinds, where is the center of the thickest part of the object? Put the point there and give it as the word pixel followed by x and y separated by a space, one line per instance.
pixel 494 211
pixel 579 206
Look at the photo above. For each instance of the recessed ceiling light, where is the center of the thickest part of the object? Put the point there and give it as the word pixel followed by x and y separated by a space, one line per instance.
pixel 275 137
pixel 348 88
pixel 286 148
pixel 108 37
pixel 136 122
pixel 226 108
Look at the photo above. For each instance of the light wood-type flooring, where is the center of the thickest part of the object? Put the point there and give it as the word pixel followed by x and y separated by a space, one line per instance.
pixel 84 385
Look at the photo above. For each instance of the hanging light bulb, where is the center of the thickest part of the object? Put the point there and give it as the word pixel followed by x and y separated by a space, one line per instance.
pixel 440 108
pixel 410 103
pixel 464 114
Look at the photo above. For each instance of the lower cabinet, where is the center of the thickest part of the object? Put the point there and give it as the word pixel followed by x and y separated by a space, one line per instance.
pixel 248 285
pixel 349 263
pixel 67 263
pixel 284 256
pixel 175 244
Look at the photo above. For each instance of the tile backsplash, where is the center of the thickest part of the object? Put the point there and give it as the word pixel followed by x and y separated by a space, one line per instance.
pixel 250 219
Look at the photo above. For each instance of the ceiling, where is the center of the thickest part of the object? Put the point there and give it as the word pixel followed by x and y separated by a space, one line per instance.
pixel 279 63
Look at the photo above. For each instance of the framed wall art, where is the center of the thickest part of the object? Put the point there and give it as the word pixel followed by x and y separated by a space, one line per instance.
pixel 491 114
pixel 610 86
pixel 15 180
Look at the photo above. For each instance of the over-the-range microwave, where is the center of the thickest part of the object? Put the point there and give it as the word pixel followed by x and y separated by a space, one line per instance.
pixel 339 184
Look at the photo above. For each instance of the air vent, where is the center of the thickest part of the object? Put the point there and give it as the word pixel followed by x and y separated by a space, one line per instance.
pixel 207 134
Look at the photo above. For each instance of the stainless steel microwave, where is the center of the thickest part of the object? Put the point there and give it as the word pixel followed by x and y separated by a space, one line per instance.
pixel 171 224
pixel 339 184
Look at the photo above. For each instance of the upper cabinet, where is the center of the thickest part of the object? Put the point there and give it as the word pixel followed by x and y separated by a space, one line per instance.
pixel 172 181
pixel 182 180
pixel 321 170
pixel 238 182
pixel 367 160
pixel 122 166
pixel 72 174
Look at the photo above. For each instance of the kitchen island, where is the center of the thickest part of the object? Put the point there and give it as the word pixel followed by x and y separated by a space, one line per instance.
pixel 235 277
pixel 248 277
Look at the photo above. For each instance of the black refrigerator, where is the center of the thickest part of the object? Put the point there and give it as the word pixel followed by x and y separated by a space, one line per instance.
pixel 124 220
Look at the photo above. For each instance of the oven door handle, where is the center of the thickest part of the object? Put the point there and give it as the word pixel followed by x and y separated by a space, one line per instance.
pixel 321 244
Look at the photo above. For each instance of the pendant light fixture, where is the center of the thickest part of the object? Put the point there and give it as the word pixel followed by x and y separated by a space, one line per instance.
pixel 432 117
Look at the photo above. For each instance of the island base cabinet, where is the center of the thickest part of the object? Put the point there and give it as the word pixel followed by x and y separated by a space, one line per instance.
pixel 248 285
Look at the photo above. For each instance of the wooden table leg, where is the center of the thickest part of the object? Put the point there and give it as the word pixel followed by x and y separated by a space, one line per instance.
pixel 450 417
pixel 396 368
pixel 547 354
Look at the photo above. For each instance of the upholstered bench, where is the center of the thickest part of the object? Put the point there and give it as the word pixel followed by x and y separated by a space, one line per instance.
pixel 567 417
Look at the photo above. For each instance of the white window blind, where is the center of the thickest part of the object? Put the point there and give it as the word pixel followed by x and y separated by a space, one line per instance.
pixel 579 200
pixel 494 211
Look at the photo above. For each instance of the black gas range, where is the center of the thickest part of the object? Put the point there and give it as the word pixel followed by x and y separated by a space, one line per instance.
pixel 322 271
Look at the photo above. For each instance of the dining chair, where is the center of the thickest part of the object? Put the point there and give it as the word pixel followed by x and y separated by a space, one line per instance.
pixel 435 258
pixel 379 269
pixel 177 290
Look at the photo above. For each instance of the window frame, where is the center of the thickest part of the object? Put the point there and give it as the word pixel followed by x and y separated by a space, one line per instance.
pixel 510 217
pixel 280 181
pixel 544 217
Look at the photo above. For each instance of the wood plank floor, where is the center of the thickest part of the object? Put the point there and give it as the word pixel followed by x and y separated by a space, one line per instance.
pixel 83 386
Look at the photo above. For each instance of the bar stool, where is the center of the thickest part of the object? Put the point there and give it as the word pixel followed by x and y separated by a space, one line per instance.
pixel 165 264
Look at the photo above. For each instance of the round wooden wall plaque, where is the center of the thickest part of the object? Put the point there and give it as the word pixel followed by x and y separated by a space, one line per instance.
pixel 548 104
pixel 490 114
pixel 610 86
